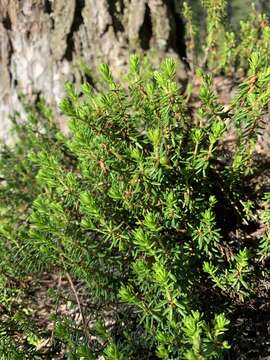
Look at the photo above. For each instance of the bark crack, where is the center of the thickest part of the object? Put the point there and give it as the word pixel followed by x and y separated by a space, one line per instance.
pixel 177 34
pixel 48 6
pixel 77 22
pixel 7 22
pixel 146 29
pixel 115 16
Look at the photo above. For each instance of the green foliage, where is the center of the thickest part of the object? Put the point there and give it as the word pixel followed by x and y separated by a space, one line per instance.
pixel 18 187
pixel 140 207
pixel 224 48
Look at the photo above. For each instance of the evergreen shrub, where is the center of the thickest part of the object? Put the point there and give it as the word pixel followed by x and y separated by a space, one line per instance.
pixel 147 208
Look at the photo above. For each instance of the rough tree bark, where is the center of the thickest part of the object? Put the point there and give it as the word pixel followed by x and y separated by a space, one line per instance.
pixel 44 43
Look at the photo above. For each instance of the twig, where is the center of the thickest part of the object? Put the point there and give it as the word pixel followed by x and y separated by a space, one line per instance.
pixel 56 308
pixel 79 306
pixel 261 231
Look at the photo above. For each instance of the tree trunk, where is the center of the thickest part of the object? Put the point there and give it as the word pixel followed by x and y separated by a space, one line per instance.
pixel 45 43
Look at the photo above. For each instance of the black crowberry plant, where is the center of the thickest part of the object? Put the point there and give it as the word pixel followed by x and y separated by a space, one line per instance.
pixel 146 206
